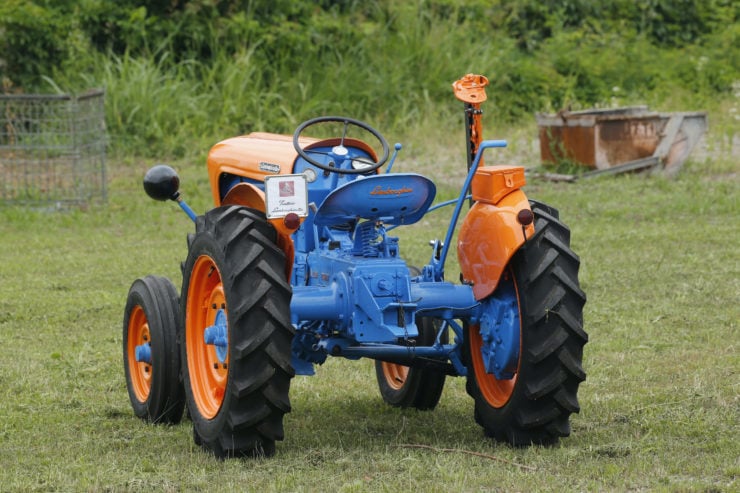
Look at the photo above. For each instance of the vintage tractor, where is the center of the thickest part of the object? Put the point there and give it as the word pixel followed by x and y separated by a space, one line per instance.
pixel 295 263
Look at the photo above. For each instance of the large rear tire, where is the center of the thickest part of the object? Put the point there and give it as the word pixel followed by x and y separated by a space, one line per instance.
pixel 237 333
pixel 151 359
pixel 540 290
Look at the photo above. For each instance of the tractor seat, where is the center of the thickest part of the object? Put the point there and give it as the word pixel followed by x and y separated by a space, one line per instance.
pixel 399 198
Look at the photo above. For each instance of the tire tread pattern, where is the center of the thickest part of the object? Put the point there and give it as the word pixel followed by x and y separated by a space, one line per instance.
pixel 158 297
pixel 551 306
pixel 260 333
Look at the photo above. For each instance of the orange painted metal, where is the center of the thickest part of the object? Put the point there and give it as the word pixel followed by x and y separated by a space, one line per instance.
pixel 492 183
pixel 252 156
pixel 490 233
pixel 348 142
pixel 471 90
pixel 208 378
pixel 260 154
pixel 140 372
pixel 247 195
pixel 489 236
pixel 395 375
pixel 285 243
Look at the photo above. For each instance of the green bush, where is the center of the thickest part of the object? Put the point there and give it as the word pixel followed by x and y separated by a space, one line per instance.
pixel 31 42
pixel 183 70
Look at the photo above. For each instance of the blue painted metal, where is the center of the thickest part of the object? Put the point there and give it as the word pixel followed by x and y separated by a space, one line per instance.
pixel 391 351
pixel 143 353
pixel 500 331
pixel 396 149
pixel 217 335
pixel 186 208
pixel 353 294
pixel 439 263
pixel 456 355
pixel 446 203
pixel 401 198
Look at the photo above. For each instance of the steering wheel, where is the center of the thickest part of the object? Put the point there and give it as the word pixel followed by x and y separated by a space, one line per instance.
pixel 340 152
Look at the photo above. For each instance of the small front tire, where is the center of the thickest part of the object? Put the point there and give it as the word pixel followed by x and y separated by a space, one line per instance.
pixel 151 357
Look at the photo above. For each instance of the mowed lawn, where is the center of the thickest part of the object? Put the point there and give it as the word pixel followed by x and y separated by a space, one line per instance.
pixel 659 409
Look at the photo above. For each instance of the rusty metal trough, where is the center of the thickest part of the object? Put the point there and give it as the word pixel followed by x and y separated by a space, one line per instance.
pixel 625 138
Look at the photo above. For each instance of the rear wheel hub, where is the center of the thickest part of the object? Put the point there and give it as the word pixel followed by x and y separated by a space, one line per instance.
pixel 499 330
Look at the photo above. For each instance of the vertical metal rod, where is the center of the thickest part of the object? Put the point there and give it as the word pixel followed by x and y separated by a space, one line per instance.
pixel 469 143
pixel 458 206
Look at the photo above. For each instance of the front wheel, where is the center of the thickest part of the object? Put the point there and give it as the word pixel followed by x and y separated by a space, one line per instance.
pixel 524 356
pixel 151 360
pixel 237 333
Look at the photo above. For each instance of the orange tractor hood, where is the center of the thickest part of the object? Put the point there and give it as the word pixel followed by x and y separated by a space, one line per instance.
pixel 254 156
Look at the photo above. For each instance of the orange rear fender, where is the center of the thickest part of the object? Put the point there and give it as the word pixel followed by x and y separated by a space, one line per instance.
pixel 490 233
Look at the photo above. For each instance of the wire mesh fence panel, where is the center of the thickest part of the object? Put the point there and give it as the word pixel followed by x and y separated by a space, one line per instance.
pixel 52 149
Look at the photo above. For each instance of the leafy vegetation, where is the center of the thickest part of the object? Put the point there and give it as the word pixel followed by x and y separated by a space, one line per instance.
pixel 181 75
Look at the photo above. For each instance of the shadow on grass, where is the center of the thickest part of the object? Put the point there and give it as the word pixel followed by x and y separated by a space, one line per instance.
pixel 363 421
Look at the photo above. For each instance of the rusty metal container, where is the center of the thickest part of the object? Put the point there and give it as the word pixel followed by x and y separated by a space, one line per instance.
pixel 602 139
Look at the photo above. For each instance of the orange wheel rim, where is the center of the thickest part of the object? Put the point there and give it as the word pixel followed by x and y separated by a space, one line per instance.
pixel 208 374
pixel 140 373
pixel 395 375
pixel 496 392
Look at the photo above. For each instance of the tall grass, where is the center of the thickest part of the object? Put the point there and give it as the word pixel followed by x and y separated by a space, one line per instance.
pixel 395 72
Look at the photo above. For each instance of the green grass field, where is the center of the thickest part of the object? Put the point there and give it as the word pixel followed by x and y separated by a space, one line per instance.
pixel 659 409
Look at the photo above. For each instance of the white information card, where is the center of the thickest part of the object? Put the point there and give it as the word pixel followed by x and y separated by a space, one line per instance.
pixel 285 194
